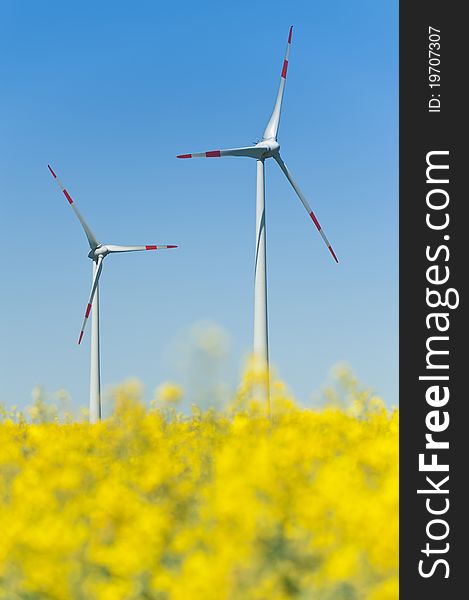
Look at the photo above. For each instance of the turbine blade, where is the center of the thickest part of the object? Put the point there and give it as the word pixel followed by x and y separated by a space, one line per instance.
pixel 90 300
pixel 113 248
pixel 250 151
pixel 271 130
pixel 93 242
pixel 300 195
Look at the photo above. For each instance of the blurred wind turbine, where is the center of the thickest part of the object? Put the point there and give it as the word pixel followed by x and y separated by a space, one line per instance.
pixel 267 147
pixel 97 254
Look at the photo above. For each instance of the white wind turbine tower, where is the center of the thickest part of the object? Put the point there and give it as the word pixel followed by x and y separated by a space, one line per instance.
pixel 97 254
pixel 268 147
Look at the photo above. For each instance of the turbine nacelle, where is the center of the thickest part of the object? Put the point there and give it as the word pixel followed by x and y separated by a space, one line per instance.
pixel 99 251
pixel 271 146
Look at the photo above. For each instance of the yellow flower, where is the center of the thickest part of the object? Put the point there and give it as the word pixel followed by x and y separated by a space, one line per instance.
pixel 168 394
pixel 228 504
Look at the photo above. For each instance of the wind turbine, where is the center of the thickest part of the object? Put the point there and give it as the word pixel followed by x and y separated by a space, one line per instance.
pixel 268 147
pixel 97 254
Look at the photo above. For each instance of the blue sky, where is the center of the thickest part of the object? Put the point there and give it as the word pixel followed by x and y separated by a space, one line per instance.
pixel 109 93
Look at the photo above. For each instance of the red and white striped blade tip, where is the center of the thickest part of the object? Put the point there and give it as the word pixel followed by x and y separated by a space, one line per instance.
pixel 208 154
pixel 81 337
pixel 318 226
pixel 333 254
pixel 290 34
pixel 50 169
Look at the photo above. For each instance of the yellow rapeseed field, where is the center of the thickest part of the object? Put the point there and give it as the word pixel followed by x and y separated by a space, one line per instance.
pixel 151 504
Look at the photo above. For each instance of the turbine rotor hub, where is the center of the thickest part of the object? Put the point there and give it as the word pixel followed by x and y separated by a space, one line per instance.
pixel 271 147
pixel 99 251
